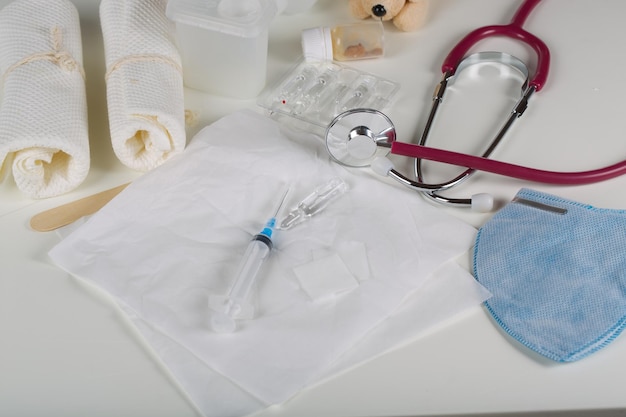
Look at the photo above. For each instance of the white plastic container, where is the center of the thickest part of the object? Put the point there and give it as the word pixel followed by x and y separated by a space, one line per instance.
pixel 290 7
pixel 223 44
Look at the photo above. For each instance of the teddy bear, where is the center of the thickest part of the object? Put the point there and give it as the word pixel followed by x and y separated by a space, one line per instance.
pixel 406 15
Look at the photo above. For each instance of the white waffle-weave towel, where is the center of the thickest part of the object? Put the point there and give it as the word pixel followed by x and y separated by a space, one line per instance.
pixel 43 113
pixel 144 82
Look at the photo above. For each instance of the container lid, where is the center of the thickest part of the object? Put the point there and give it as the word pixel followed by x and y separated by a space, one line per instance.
pixel 244 18
pixel 317 44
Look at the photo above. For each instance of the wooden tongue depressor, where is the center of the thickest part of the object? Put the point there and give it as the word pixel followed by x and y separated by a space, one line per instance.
pixel 68 213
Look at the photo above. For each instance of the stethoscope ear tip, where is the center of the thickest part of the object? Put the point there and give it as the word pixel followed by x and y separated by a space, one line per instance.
pixel 482 203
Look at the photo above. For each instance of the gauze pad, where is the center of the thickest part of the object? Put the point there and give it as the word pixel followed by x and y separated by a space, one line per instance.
pixel 557 272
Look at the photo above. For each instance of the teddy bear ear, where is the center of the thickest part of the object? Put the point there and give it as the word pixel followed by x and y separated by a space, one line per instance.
pixel 412 16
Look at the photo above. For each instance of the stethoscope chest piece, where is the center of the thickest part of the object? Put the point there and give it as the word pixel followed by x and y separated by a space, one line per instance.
pixel 358 136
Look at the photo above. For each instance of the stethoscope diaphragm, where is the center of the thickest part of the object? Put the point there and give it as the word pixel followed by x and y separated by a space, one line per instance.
pixel 358 136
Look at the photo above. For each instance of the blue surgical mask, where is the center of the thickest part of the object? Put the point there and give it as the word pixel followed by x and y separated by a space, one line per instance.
pixel 557 272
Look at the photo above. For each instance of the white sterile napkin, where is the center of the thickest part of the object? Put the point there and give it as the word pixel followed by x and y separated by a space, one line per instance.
pixel 174 237
pixel 144 82
pixel 447 293
pixel 43 113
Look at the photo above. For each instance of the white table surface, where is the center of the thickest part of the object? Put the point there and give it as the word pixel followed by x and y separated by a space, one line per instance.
pixel 66 350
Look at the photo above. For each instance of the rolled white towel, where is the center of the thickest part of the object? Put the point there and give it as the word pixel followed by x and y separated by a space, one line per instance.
pixel 43 113
pixel 144 82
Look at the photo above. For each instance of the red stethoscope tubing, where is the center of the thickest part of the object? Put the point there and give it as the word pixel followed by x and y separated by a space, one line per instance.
pixel 507 169
pixel 512 30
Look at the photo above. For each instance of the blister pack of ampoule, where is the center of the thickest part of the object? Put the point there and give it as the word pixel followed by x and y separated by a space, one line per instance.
pixel 313 93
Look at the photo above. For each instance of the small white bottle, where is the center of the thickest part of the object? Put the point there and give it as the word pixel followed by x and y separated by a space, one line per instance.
pixel 349 42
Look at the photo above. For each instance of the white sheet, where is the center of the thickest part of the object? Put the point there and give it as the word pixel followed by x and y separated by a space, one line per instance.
pixel 174 237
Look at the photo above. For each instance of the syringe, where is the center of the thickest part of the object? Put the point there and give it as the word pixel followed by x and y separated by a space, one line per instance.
pixel 236 303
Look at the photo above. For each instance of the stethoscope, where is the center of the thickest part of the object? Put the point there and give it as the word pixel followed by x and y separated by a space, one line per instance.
pixel 363 137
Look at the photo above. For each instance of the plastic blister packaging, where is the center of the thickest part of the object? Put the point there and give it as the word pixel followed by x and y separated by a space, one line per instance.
pixel 313 93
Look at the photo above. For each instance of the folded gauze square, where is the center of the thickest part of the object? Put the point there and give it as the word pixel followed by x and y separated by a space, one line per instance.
pixel 43 114
pixel 144 82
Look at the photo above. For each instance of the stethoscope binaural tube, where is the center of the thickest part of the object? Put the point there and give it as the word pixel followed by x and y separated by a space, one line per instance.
pixel 351 140
pixel 363 137
pixel 481 202
pixel 518 110
pixel 351 127
pixel 457 60
pixel 509 170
